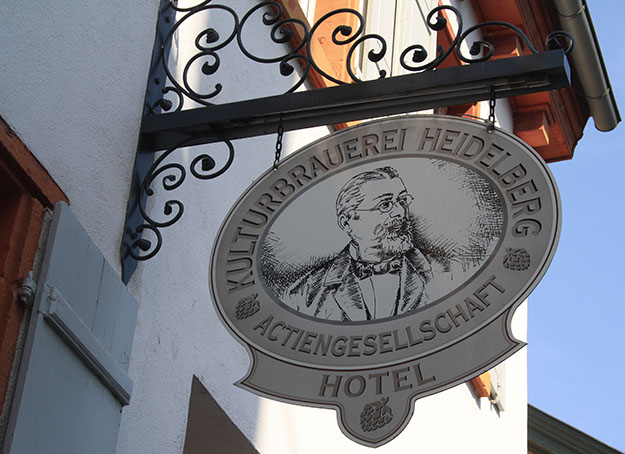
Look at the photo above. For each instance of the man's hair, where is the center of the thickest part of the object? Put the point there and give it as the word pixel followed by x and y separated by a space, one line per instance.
pixel 349 198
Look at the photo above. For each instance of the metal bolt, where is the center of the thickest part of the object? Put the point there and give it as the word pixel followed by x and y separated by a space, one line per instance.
pixel 286 69
pixel 208 163
pixel 166 104
pixel 26 292
pixel 212 36
pixel 144 244
pixel 476 48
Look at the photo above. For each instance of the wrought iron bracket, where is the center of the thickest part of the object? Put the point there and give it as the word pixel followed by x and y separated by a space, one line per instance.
pixel 167 127
pixel 409 93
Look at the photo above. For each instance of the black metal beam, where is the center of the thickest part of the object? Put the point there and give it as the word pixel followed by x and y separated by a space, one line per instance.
pixel 410 93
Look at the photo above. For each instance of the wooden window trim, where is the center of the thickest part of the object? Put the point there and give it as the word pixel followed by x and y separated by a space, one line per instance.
pixel 482 384
pixel 444 39
pixel 551 122
pixel 321 46
pixel 26 190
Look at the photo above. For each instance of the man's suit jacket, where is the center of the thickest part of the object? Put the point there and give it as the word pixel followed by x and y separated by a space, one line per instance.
pixel 332 291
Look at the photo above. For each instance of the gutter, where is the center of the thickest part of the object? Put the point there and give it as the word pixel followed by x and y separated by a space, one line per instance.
pixel 588 62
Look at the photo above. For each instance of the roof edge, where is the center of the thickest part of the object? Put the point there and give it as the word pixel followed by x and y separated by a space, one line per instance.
pixel 588 62
pixel 546 434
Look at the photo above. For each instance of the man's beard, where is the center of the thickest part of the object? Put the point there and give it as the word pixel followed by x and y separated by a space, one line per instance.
pixel 393 239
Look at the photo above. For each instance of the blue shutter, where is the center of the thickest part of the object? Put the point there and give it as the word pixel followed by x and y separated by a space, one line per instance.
pixel 73 379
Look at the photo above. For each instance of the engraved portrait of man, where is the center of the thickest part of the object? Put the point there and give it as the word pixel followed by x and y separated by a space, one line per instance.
pixel 380 273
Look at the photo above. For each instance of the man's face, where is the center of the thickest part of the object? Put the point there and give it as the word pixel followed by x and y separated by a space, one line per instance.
pixel 379 224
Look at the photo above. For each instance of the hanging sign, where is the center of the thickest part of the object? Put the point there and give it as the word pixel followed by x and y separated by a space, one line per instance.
pixel 383 263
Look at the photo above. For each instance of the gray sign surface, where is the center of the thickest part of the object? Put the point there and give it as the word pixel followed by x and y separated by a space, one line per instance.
pixel 383 263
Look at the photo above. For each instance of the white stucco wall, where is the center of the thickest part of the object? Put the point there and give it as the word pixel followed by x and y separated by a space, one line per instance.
pixel 72 81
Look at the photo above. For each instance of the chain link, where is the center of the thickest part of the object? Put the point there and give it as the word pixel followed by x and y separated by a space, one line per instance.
pixel 490 125
pixel 278 144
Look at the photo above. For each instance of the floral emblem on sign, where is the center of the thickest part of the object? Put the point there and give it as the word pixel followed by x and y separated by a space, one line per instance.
pixel 247 307
pixel 376 415
pixel 516 259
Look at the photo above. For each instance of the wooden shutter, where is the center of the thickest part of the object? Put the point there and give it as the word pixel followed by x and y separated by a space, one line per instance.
pixel 73 380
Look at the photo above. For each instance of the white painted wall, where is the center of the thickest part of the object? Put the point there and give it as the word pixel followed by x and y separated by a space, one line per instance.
pixel 72 81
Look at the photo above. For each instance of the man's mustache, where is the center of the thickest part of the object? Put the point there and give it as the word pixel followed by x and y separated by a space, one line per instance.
pixel 393 238
pixel 392 226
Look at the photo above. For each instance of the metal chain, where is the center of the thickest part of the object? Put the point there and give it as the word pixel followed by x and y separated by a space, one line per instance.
pixel 490 124
pixel 278 144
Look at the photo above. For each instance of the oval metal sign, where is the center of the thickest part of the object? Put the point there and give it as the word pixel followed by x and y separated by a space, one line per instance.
pixel 383 263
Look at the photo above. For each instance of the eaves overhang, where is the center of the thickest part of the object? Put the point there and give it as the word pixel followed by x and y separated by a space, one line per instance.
pixel 548 435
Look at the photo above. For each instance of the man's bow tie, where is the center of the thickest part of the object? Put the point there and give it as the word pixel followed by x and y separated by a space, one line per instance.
pixel 365 270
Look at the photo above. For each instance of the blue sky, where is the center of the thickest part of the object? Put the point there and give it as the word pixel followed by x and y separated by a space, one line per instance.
pixel 577 314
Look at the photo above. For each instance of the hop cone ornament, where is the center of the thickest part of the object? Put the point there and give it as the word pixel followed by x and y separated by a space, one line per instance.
pixel 375 415
pixel 247 307
pixel 516 259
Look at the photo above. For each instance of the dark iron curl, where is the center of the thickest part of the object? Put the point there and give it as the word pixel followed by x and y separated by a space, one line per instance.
pixel 486 45
pixel 373 55
pixel 418 52
pixel 140 244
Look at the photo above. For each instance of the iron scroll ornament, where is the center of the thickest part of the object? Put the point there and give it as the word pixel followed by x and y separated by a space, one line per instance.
pixel 202 167
pixel 209 41
pixel 171 92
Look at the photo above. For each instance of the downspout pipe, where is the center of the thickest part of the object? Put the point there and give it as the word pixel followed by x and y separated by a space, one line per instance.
pixel 587 60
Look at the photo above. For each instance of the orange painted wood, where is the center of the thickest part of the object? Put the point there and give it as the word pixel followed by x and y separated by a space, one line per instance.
pixel 482 384
pixel 26 189
pixel 444 38
pixel 532 126
pixel 20 232
pixel 318 49
pixel 28 171
pixel 506 43
pixel 464 110
pixel 337 54
pixel 292 10
pixel 567 111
